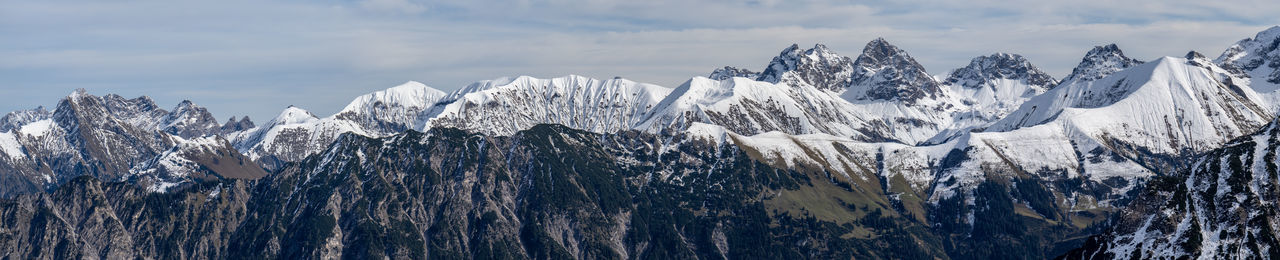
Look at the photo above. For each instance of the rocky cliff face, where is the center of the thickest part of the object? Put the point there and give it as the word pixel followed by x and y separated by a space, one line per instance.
pixel 1222 208
pixel 107 137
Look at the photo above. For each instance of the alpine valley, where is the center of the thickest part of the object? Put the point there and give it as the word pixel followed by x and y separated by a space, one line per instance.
pixel 813 155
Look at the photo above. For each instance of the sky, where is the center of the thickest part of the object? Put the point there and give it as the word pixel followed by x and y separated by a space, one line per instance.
pixel 255 58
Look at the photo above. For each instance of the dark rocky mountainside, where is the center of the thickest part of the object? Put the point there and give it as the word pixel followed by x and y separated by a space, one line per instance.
pixel 1223 208
pixel 547 192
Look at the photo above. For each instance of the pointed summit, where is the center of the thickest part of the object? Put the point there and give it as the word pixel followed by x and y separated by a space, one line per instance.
pixel 1256 58
pixel 817 66
pixel 1098 63
pixel 189 121
pixel 884 72
pixel 982 70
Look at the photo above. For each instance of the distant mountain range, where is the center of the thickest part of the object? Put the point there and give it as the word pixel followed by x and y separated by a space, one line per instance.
pixel 815 155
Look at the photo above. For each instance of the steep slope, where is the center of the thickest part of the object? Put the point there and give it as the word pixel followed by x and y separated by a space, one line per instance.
pixel 1170 106
pixel 205 158
pixel 16 119
pixel 292 136
pixel 991 87
pixel 546 192
pixel 750 107
pixel 106 137
pixel 1099 63
pixel 190 121
pixel 1256 59
pixel 883 72
pixel 1222 208
pixel 505 106
pixel 817 66
pixel 392 110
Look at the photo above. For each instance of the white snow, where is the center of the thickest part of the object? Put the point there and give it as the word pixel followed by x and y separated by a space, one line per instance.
pixel 505 106
pixel 409 94
pixel 37 128
pixel 9 146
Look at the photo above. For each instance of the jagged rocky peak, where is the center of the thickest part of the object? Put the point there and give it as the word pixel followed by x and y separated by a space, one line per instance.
pixel 981 71
pixel 885 72
pixel 1100 62
pixel 189 120
pixel 817 66
pixel 1197 59
pixel 16 119
pixel 234 125
pixel 1255 58
pixel 729 72
pixel 140 112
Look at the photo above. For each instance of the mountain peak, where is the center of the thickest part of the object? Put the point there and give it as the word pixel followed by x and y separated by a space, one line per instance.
pixel 817 66
pixel 885 72
pixel 408 94
pixel 984 69
pixel 1100 62
pixel 293 115
pixel 189 120
pixel 729 72
pixel 1255 58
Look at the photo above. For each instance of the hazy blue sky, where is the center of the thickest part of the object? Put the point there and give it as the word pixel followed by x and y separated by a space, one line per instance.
pixel 257 57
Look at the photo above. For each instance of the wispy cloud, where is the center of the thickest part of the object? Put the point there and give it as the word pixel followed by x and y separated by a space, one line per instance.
pixel 255 57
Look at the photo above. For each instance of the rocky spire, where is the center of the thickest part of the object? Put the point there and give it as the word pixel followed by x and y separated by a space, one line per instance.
pixel 1100 62
pixel 817 66
pixel 1255 57
pixel 885 72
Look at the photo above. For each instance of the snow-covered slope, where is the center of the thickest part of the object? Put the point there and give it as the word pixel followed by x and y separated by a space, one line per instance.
pixel 752 107
pixel 293 135
pixel 392 110
pixel 1165 106
pixel 991 87
pixel 1256 59
pixel 505 106
pixel 16 119
pixel 296 133
pixel 1222 208
pixel 1098 63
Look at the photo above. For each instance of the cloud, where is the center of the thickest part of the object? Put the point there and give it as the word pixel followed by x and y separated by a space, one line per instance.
pixel 395 6
pixel 255 57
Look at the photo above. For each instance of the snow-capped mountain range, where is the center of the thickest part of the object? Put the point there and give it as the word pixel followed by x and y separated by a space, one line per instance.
pixel 882 95
pixel 877 123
